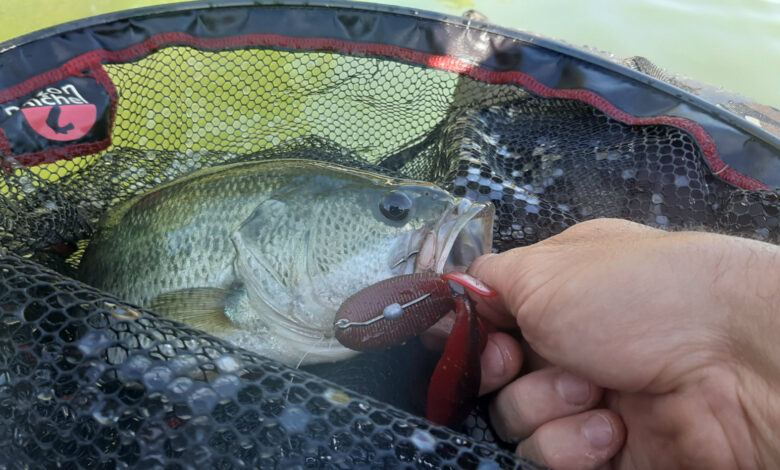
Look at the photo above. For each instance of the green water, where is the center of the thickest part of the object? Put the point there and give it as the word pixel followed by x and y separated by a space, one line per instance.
pixel 732 43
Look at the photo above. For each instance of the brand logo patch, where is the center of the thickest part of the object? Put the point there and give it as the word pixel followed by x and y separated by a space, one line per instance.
pixel 75 110
pixel 58 113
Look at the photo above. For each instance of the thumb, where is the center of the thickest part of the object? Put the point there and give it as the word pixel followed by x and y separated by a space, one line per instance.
pixel 502 272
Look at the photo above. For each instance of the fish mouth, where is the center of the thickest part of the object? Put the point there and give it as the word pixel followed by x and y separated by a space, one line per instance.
pixel 462 234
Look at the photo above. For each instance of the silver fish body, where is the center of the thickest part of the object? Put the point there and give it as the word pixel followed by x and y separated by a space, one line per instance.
pixel 264 253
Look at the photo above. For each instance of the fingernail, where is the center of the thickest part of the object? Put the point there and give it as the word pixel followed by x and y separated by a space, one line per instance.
pixel 493 360
pixel 572 389
pixel 598 431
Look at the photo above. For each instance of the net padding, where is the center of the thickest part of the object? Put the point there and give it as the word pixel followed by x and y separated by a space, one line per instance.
pixel 87 381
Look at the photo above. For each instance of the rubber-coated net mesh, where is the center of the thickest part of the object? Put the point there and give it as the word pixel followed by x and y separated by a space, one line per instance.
pixel 88 381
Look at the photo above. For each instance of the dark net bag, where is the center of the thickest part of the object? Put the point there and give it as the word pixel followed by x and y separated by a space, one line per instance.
pixel 92 113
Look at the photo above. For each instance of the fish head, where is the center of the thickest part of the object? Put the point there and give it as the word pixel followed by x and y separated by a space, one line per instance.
pixel 322 238
pixel 428 229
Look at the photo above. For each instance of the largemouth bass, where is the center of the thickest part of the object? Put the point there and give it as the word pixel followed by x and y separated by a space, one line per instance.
pixel 263 253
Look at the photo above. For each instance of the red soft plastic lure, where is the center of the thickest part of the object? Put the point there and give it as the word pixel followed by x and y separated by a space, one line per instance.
pixel 392 311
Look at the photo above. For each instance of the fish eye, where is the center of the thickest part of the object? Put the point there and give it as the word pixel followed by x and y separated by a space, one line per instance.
pixel 395 206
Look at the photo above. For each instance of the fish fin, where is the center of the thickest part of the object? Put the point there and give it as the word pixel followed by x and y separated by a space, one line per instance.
pixel 200 307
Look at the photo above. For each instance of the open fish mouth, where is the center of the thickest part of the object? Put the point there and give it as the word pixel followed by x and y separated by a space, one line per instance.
pixel 462 234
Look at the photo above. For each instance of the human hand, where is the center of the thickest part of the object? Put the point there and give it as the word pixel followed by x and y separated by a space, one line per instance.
pixel 648 349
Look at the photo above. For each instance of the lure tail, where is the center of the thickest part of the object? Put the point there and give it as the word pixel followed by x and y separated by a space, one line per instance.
pixel 454 386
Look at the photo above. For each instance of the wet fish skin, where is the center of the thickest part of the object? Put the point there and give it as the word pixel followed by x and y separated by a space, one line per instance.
pixel 276 245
